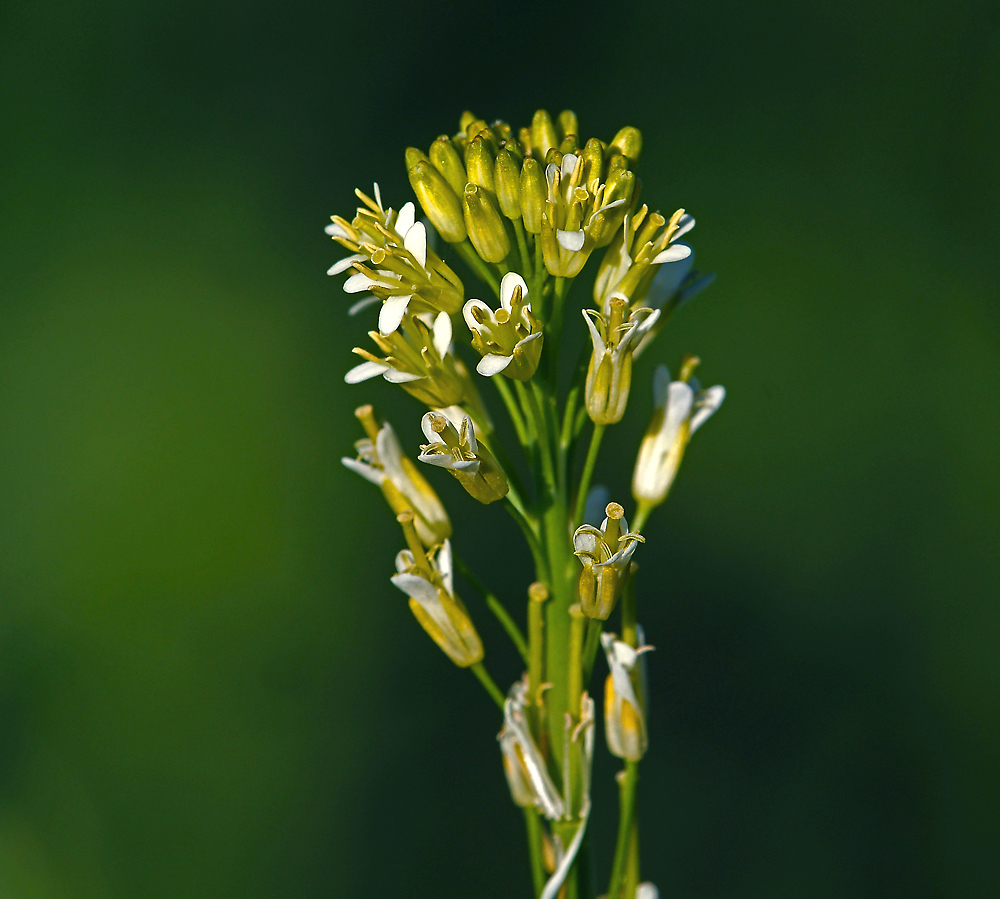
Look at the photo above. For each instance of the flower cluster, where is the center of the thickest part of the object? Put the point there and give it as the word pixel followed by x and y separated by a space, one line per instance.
pixel 524 210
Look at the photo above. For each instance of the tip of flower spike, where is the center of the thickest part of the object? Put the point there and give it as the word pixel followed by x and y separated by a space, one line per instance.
pixel 615 511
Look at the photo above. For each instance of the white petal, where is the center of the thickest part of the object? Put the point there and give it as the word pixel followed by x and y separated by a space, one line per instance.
pixel 605 208
pixel 679 401
pixel 595 335
pixel 661 386
pixel 404 221
pixel 668 280
pixel 555 882
pixel 378 196
pixel 364 371
pixel 491 364
pixel 444 566
pixel 507 285
pixel 674 253
pixel 368 472
pixel 709 403
pixel 363 303
pixel 442 334
pixel 391 313
pixel 647 890
pixel 470 319
pixel 417 587
pixel 358 282
pixel 395 376
pixel 551 174
pixel 684 224
pixel 568 164
pixel 345 264
pixel 571 240
pixel 524 341
pixel 427 426
pixel 334 230
pixel 416 242
pixel 467 435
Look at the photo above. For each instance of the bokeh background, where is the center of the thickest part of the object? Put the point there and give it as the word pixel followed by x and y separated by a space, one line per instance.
pixel 207 686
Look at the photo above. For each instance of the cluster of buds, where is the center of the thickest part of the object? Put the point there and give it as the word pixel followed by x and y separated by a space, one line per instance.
pixel 606 554
pixel 391 259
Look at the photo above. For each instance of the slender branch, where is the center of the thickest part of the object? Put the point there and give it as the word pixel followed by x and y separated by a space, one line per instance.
pixel 533 826
pixel 626 815
pixel 588 473
pixel 495 606
pixel 503 388
pixel 488 683
pixel 476 263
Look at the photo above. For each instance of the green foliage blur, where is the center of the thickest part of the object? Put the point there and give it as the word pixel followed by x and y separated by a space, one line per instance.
pixel 208 688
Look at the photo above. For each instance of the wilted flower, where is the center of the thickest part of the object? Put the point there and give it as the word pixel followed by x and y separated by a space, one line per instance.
pixel 510 339
pixel 680 409
pixel 426 577
pixel 624 704
pixel 605 553
pixel 381 460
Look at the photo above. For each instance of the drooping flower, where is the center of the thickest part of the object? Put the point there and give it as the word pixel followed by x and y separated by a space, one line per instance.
pixel 464 456
pixel 510 339
pixel 624 697
pixel 606 553
pixel 391 259
pixel 426 577
pixel 381 460
pixel 609 375
pixel 680 409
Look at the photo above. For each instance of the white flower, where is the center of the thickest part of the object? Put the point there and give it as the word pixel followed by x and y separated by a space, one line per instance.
pixel 609 375
pixel 382 462
pixel 428 580
pixel 647 890
pixel 680 409
pixel 605 553
pixel 624 710
pixel 461 453
pixel 509 340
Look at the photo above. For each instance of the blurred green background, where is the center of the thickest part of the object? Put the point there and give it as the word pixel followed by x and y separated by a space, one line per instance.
pixel 208 687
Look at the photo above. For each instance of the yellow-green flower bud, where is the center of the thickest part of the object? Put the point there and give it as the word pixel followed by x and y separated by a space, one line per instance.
pixel 426 577
pixel 568 124
pixel 507 182
pixel 485 226
pixel 593 161
pixel 479 163
pixel 436 197
pixel 445 158
pixel 628 142
pixel 606 554
pixel 533 193
pixel 543 134
pixel 464 456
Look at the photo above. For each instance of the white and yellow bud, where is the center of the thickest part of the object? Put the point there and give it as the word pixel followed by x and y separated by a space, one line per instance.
pixel 418 357
pixel 606 554
pixel 459 451
pixel 381 460
pixel 427 578
pixel 510 339
pixel 624 698
pixel 609 375
pixel 680 408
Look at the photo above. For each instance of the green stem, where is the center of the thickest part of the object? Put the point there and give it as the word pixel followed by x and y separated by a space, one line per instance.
pixel 503 388
pixel 495 606
pixel 554 328
pixel 590 647
pixel 626 816
pixel 533 826
pixel 641 515
pixel 488 683
pixel 476 263
pixel 522 246
pixel 588 473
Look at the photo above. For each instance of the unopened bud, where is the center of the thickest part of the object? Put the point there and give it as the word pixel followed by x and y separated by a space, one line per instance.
pixel 444 157
pixel 436 198
pixel 479 163
pixel 507 183
pixel 628 142
pixel 533 193
pixel 484 224
pixel 543 134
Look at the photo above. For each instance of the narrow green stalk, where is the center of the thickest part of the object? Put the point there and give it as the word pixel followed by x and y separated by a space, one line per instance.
pixel 537 595
pixel 494 605
pixel 632 863
pixel 566 831
pixel 553 330
pixel 529 532
pixel 533 826
pixel 588 473
pixel 590 648
pixel 641 515
pixel 503 388
pixel 488 683
pixel 530 395
pixel 522 246
pixel 626 815
pixel 476 263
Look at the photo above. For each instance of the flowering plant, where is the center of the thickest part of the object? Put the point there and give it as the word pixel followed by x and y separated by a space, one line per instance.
pixel 525 211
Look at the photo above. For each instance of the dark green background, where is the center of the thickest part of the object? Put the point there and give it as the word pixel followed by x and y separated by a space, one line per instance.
pixel 208 687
